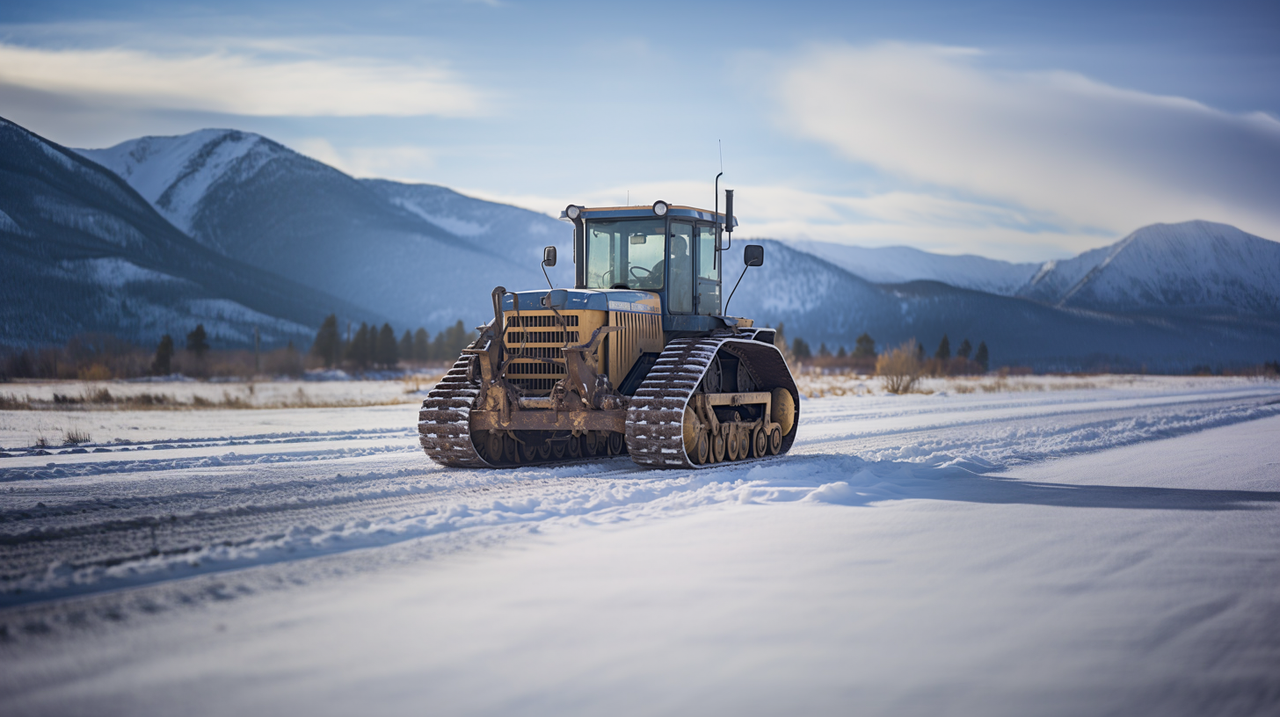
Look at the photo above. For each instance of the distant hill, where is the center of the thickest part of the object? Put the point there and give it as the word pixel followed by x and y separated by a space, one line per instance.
pixel 900 264
pixel 1169 297
pixel 420 254
pixel 1193 266
pixel 81 251
pixel 824 303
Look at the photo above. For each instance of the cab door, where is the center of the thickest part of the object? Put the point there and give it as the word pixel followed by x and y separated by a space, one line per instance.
pixel 707 294
pixel 680 268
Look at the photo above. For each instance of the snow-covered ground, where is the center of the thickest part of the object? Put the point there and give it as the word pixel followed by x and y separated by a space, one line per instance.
pixel 1105 547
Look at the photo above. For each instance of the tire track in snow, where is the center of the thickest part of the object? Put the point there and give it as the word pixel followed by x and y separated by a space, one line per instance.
pixel 176 521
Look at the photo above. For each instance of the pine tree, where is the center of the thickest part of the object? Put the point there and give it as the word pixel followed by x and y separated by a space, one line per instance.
pixel 197 342
pixel 864 346
pixel 387 350
pixel 823 351
pixel 327 341
pixel 841 353
pixel 358 349
pixel 944 349
pixel 800 348
pixel 981 357
pixel 439 351
pixel 162 366
pixel 406 346
pixel 919 351
pixel 965 349
pixel 371 350
pixel 421 345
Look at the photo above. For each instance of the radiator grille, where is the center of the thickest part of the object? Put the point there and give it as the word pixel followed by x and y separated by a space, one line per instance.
pixel 535 367
pixel 515 338
pixel 536 321
pixel 535 335
pixel 543 352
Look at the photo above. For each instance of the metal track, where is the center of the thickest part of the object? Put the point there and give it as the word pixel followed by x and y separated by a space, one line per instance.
pixel 655 416
pixel 444 421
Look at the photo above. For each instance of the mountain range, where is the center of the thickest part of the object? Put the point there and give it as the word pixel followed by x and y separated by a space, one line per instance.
pixel 239 231
pixel 413 253
pixel 83 252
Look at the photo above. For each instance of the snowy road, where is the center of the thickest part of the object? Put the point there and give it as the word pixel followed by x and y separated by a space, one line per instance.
pixel 202 523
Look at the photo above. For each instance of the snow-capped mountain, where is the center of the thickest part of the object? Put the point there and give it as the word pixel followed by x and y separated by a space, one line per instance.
pixel 899 264
pixel 420 254
pixel 81 251
pixel 426 255
pixel 1198 266
pixel 824 303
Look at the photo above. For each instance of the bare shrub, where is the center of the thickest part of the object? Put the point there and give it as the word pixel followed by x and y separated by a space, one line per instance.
pixel 74 437
pixel 899 368
pixel 94 372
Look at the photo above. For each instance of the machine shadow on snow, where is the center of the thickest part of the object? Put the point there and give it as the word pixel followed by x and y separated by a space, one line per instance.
pixel 865 483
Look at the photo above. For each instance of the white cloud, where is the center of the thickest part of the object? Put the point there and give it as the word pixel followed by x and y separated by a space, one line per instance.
pixel 405 163
pixel 1059 144
pixel 240 83
pixel 932 223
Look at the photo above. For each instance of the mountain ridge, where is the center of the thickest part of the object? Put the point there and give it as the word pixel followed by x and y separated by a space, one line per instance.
pixel 370 242
pixel 83 251
pixel 422 248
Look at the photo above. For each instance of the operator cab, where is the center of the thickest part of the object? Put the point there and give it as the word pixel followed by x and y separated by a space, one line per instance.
pixel 670 250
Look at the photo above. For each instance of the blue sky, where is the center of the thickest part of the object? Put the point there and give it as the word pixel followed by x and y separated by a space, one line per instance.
pixel 1020 131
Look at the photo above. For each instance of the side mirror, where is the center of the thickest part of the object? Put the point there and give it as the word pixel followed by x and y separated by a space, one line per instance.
pixel 549 256
pixel 753 255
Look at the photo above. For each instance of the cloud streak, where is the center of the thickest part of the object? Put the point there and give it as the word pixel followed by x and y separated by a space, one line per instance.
pixel 896 218
pixel 240 83
pixel 1053 143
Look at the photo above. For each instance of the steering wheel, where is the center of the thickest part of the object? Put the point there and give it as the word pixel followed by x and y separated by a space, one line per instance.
pixel 633 270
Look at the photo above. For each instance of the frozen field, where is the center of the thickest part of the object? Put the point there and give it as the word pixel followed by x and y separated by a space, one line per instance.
pixel 1038 547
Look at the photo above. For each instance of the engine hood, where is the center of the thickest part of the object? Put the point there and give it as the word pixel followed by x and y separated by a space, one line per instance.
pixel 640 302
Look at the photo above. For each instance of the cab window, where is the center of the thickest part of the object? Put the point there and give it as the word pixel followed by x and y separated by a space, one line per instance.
pixel 626 254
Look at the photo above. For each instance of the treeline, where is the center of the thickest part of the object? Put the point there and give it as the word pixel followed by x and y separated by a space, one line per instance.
pixel 101 357
pixel 374 347
pixel 966 360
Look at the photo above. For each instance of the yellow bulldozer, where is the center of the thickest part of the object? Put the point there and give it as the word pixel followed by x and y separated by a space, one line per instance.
pixel 638 358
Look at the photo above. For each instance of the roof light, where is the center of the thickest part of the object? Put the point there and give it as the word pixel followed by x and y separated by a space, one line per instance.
pixel 660 208
pixel 573 211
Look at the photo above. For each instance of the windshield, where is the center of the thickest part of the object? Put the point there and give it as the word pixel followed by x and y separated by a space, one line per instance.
pixel 626 254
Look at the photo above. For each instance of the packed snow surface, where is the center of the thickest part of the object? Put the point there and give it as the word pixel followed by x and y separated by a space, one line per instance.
pixel 1095 546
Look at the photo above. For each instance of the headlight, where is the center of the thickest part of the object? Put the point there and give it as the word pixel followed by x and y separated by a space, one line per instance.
pixel 573 211
pixel 660 208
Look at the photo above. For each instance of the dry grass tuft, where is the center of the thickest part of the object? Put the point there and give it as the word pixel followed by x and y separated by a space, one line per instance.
pixel 900 368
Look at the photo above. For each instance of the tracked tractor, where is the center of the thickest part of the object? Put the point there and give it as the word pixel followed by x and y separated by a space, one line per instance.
pixel 638 358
